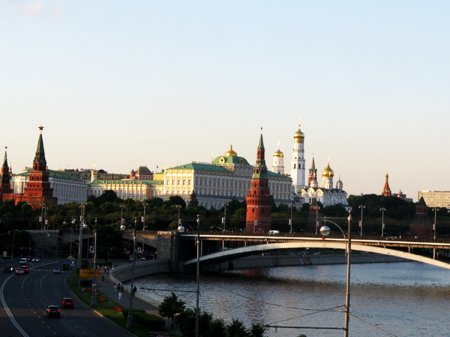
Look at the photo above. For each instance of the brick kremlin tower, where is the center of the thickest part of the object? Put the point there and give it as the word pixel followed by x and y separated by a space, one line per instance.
pixel 259 200
pixel 6 192
pixel 37 191
pixel 386 189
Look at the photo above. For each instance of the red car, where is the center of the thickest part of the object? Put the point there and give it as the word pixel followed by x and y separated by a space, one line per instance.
pixel 53 311
pixel 67 303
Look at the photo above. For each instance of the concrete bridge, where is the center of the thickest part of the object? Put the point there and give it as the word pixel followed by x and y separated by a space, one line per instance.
pixel 216 249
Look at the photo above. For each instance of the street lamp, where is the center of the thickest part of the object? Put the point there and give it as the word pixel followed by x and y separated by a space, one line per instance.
pixel 143 225
pixel 435 223
pixel 80 235
pixel 94 284
pixel 361 207
pixel 325 231
pixel 290 219
pixel 224 218
pixel 197 311
pixel 382 209
pixel 130 307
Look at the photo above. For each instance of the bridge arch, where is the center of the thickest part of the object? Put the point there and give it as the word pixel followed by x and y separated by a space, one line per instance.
pixel 251 250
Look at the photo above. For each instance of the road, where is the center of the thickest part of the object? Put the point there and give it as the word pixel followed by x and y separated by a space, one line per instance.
pixel 23 299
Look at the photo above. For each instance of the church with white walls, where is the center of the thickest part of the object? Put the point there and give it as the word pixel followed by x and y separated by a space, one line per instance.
pixel 324 191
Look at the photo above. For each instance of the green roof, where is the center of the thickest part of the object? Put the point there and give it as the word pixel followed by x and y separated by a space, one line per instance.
pixel 52 174
pixel 202 167
pixel 230 160
pixel 128 182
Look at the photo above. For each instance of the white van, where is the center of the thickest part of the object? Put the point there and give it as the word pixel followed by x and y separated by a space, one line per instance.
pixel 274 232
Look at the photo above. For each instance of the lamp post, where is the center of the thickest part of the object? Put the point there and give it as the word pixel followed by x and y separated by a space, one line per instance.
pixel 325 231
pixel 122 220
pixel 94 284
pixel 130 307
pixel 361 207
pixel 224 218
pixel 80 236
pixel 143 225
pixel 434 223
pixel 290 219
pixel 71 236
pixel 382 209
pixel 197 310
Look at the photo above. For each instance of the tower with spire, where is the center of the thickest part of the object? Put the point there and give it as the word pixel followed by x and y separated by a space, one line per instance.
pixel 259 200
pixel 298 160
pixel 37 191
pixel 386 189
pixel 6 192
pixel 312 176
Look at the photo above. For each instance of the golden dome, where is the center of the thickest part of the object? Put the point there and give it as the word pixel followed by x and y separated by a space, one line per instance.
pixel 328 172
pixel 299 136
pixel 278 154
pixel 230 152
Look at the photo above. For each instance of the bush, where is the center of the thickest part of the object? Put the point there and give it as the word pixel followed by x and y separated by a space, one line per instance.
pixel 151 322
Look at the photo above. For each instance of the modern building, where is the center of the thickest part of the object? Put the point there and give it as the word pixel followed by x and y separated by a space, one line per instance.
pixel 226 178
pixel 258 199
pixel 435 198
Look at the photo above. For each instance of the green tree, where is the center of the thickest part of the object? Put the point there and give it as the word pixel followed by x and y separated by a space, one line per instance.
pixel 236 329
pixel 257 330
pixel 171 307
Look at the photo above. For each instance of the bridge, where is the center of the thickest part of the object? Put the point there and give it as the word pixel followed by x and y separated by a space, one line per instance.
pixel 216 248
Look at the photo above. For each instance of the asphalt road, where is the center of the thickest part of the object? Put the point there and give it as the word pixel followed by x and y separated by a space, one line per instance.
pixel 23 299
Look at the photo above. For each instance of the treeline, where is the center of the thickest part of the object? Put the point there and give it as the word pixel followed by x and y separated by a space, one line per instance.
pixel 107 211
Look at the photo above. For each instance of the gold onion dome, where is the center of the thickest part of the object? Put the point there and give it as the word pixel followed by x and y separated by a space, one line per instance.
pixel 328 172
pixel 230 152
pixel 299 136
pixel 278 154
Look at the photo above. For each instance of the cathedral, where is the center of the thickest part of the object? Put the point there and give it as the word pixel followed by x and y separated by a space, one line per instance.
pixel 311 191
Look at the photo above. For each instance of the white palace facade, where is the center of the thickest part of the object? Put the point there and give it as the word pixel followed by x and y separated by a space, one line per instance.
pixel 226 178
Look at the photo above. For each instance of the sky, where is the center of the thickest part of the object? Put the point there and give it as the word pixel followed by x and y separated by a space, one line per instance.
pixel 120 84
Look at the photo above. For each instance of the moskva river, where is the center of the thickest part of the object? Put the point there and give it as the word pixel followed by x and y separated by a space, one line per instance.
pixel 387 299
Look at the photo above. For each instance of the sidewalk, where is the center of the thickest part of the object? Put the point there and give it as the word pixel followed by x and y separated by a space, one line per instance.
pixel 107 288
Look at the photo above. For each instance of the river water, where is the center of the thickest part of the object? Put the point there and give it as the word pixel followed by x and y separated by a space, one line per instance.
pixel 387 299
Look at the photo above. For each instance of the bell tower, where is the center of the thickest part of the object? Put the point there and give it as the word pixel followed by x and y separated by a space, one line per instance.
pixel 259 200
pixel 298 160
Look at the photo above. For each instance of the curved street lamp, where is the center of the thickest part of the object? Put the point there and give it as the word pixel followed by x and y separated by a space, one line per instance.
pixel 325 231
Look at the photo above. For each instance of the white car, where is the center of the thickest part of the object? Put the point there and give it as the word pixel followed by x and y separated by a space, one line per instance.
pixel 35 259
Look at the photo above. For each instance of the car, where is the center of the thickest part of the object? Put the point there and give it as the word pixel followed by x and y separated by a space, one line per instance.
pixel 23 260
pixel 8 269
pixel 25 268
pixel 19 271
pixel 67 303
pixel 36 259
pixel 53 310
pixel 57 270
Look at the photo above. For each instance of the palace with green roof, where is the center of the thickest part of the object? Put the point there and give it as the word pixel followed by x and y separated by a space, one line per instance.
pixel 226 178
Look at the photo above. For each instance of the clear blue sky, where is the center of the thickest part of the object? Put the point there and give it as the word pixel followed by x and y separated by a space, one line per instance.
pixel 118 84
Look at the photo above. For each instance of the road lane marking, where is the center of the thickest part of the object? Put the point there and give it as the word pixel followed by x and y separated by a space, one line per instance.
pixel 8 312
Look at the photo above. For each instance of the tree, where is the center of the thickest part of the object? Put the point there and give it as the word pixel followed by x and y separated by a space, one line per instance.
pixel 171 307
pixel 257 330
pixel 236 329
pixel 193 202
